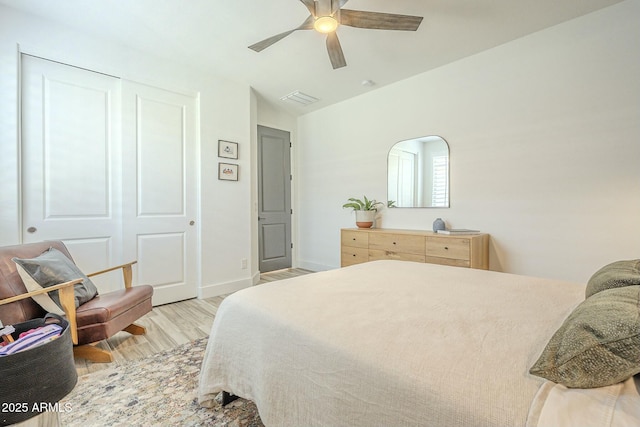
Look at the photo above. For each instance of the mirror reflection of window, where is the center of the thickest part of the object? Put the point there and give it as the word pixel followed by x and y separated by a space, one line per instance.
pixel 440 194
pixel 418 173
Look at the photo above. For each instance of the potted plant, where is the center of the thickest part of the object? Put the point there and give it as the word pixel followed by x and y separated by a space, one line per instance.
pixel 365 210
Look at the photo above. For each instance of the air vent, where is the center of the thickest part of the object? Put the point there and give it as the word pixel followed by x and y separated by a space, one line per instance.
pixel 300 98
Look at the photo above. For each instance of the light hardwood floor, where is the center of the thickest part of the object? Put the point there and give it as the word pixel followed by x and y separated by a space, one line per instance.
pixel 169 326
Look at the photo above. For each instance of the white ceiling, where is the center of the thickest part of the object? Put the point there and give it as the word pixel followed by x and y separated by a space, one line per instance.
pixel 214 35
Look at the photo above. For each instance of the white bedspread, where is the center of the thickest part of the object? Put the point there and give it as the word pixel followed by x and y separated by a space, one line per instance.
pixel 617 405
pixel 387 343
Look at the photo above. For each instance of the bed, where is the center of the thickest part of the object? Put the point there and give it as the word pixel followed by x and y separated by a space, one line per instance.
pixel 395 343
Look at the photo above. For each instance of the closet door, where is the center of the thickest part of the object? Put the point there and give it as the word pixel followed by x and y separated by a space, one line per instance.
pixel 109 167
pixel 71 162
pixel 160 191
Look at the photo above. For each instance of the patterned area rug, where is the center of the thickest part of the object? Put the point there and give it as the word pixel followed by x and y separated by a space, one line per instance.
pixel 160 390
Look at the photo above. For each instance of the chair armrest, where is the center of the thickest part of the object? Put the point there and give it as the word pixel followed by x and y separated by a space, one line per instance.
pixel 126 272
pixel 67 300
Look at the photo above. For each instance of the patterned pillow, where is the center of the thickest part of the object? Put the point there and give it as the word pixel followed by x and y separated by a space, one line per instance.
pixel 614 275
pixel 598 344
pixel 51 268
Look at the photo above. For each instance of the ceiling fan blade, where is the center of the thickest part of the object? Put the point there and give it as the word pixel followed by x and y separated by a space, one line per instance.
pixel 337 4
pixel 262 45
pixel 311 5
pixel 335 51
pixel 379 21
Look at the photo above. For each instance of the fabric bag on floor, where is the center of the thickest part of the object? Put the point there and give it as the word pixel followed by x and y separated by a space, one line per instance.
pixel 33 380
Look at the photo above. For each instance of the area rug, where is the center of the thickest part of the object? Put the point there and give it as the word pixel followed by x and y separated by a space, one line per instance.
pixel 160 390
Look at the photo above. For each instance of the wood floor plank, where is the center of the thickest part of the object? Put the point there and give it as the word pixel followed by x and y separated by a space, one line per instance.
pixel 168 326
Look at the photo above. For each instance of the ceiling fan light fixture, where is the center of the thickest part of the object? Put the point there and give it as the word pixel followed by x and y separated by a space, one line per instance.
pixel 325 24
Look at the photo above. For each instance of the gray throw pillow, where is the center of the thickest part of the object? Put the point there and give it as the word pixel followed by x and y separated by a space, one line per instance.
pixel 614 275
pixel 598 344
pixel 51 268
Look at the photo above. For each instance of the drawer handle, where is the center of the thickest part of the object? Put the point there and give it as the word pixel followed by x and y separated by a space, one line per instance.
pixel 446 247
pixel 394 243
pixel 353 239
pixel 354 254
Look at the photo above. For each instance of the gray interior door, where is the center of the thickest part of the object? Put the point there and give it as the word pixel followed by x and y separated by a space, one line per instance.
pixel 274 199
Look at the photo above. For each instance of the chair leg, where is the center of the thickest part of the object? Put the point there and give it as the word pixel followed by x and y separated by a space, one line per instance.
pixel 95 354
pixel 134 329
pixel 92 353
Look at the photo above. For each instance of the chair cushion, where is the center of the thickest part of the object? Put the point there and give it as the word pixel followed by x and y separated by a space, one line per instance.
pixel 107 314
pixel 50 268
pixel 107 306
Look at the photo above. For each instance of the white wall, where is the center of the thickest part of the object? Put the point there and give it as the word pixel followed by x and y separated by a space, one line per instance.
pixel 225 113
pixel 545 149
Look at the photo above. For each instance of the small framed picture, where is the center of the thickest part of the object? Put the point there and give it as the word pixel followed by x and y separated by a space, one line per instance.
pixel 227 172
pixel 227 149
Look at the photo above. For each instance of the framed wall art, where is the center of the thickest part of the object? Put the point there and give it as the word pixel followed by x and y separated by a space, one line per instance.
pixel 227 172
pixel 227 149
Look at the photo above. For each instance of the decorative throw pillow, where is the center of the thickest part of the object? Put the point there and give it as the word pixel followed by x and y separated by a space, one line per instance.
pixel 51 268
pixel 614 275
pixel 43 300
pixel 598 344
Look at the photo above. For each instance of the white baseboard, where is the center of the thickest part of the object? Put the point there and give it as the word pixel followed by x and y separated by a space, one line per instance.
pixel 314 266
pixel 224 288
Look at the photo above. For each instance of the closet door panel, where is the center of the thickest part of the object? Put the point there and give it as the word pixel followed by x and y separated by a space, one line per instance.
pixel 160 192
pixel 70 150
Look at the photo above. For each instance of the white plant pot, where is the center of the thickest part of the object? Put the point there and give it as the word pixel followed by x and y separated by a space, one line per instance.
pixel 365 219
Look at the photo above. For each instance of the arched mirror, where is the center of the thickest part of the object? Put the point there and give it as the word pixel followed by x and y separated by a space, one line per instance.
pixel 418 173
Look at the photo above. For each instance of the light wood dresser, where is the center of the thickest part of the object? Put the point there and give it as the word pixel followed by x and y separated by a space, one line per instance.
pixel 369 244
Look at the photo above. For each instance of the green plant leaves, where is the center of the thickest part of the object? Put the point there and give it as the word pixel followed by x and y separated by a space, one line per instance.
pixel 366 205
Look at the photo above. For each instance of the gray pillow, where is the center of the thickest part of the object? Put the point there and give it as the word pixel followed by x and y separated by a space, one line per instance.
pixel 50 268
pixel 614 275
pixel 598 344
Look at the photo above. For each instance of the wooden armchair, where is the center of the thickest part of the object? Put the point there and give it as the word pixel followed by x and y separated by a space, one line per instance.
pixel 93 321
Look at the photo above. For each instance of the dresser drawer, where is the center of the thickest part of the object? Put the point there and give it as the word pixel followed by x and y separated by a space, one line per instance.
pixel 354 239
pixel 379 254
pixel 448 261
pixel 444 247
pixel 404 243
pixel 352 255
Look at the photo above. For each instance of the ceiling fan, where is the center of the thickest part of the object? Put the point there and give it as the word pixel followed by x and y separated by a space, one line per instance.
pixel 327 15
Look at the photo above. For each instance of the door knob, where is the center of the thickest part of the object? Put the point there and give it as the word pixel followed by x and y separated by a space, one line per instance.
pixel 31 230
pixel 192 222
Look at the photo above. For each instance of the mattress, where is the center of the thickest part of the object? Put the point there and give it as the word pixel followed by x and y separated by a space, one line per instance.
pixel 387 343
